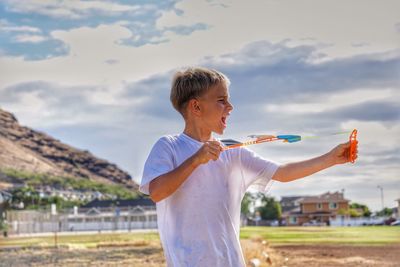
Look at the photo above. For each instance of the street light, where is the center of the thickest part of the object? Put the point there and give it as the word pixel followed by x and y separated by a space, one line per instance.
pixel 381 188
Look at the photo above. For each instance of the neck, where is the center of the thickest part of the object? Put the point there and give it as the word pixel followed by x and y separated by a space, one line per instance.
pixel 197 132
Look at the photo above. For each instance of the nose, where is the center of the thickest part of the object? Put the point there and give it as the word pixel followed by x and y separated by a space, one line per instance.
pixel 230 106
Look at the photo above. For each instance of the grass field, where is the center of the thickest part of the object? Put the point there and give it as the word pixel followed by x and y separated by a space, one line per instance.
pixel 374 235
pixel 285 246
pixel 367 235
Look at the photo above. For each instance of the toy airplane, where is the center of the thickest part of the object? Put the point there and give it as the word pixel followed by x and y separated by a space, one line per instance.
pixel 258 139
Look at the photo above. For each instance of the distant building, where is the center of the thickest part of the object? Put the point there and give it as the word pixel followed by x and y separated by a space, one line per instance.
pixel 97 215
pixel 313 210
pixel 291 203
pixel 122 204
pixel 5 197
pixel 397 210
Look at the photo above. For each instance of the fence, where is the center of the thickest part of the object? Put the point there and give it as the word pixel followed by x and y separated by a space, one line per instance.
pixel 341 221
pixel 28 222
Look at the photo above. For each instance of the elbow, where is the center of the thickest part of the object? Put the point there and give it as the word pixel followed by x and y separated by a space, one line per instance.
pixel 280 175
pixel 155 198
pixel 155 195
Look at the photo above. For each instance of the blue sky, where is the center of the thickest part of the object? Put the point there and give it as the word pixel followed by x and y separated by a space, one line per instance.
pixel 96 75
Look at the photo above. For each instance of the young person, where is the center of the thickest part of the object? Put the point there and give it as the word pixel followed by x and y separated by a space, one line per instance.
pixel 198 187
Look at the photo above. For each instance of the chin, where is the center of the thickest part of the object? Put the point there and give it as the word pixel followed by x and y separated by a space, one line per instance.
pixel 220 131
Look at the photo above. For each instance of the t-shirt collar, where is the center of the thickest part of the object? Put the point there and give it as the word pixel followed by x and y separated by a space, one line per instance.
pixel 187 137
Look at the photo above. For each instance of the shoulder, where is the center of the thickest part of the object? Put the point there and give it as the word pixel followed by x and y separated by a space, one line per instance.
pixel 167 139
pixel 167 142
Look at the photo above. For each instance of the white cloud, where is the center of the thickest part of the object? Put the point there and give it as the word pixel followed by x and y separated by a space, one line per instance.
pixel 73 9
pixel 334 101
pixel 340 25
pixel 230 29
pixel 375 137
pixel 20 29
pixel 6 26
pixel 89 48
pixel 29 38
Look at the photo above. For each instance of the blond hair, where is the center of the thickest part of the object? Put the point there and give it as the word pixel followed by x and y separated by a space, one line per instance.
pixel 193 82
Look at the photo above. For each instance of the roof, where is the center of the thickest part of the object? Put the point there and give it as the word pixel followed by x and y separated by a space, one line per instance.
pixel 290 199
pixel 119 203
pixel 316 213
pixel 325 198
pixel 4 196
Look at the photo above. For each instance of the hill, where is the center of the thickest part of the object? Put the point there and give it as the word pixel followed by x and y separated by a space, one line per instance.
pixel 27 150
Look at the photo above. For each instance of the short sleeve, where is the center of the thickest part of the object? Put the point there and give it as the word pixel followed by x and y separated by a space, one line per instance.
pixel 159 161
pixel 257 171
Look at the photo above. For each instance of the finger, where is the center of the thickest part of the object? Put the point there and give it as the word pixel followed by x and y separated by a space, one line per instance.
pixel 213 153
pixel 215 150
pixel 214 156
pixel 210 147
pixel 216 144
pixel 347 144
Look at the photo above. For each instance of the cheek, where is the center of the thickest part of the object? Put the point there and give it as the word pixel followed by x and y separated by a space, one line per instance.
pixel 221 106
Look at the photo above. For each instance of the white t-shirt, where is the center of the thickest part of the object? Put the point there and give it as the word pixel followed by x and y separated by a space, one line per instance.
pixel 199 223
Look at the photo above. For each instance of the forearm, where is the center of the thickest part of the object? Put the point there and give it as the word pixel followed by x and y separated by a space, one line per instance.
pixel 296 170
pixel 166 184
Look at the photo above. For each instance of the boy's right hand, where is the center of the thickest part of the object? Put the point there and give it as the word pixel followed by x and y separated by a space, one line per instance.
pixel 209 151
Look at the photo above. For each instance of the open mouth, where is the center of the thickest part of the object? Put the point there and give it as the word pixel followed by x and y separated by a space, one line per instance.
pixel 223 120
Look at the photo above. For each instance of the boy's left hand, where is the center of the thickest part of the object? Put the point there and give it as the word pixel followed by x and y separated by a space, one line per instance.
pixel 341 153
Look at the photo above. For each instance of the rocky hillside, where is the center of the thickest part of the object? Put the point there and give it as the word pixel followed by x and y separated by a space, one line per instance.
pixel 24 149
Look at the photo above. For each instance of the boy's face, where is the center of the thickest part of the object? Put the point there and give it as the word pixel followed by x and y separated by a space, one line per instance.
pixel 215 108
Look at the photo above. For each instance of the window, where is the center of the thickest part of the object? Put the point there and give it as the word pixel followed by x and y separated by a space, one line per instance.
pixel 333 205
pixel 319 206
pixel 292 220
pixel 88 220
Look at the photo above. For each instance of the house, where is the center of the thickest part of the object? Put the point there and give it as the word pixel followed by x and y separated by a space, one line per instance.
pixel 291 203
pixel 97 215
pixel 315 210
pixel 397 210
pixel 121 204
pixel 118 214
pixel 5 197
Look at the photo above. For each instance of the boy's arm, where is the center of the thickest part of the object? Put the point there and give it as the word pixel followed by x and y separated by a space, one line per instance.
pixel 296 170
pixel 166 184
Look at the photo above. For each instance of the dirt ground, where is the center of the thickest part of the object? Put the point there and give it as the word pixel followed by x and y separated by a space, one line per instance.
pixel 338 256
pixel 256 252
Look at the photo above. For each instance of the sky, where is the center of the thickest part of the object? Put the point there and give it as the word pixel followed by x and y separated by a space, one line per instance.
pixel 97 74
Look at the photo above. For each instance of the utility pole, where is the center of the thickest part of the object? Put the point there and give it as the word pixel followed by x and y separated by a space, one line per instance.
pixel 381 188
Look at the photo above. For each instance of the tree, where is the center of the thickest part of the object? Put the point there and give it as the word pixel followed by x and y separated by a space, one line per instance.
pixel 355 209
pixel 385 212
pixel 246 203
pixel 270 209
pixel 4 227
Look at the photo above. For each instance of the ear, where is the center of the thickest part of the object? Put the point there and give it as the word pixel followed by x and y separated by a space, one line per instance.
pixel 194 106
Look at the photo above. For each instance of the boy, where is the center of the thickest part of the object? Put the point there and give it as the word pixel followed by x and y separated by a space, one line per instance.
pixel 198 187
